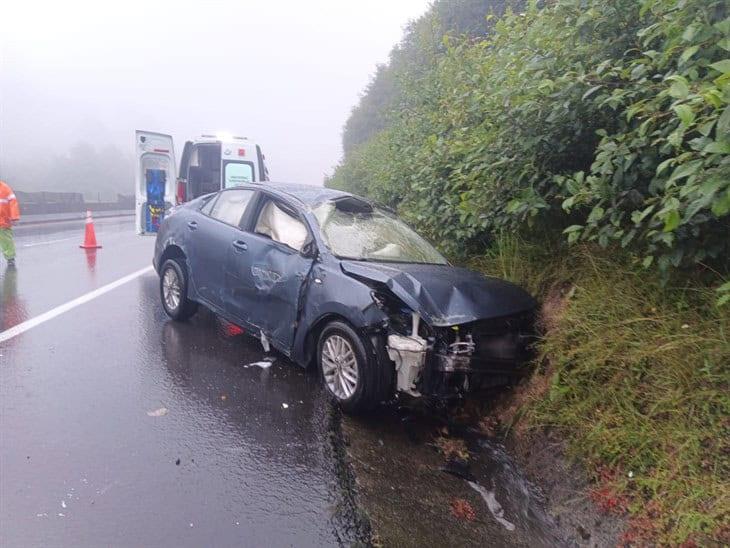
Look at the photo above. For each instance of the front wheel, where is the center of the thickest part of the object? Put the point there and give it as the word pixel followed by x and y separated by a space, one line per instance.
pixel 174 291
pixel 352 373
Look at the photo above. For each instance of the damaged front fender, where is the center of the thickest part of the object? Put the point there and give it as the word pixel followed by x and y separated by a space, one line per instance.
pixel 329 296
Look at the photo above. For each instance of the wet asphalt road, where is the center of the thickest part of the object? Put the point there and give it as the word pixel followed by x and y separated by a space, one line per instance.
pixel 81 461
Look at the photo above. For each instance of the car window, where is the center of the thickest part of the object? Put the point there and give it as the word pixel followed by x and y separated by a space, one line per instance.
pixel 281 226
pixel 208 206
pixel 374 235
pixel 237 173
pixel 229 206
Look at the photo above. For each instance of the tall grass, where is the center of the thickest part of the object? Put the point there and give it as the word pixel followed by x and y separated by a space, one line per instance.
pixel 639 383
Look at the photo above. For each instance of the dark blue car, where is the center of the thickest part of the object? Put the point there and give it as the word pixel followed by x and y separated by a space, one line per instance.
pixel 329 278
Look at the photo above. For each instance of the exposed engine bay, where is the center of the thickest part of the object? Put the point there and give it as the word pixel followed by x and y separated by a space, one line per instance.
pixel 454 360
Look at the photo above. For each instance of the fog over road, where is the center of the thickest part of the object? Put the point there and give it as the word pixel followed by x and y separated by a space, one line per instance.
pixel 84 76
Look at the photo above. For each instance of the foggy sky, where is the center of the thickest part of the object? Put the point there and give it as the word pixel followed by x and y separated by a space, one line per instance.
pixel 283 73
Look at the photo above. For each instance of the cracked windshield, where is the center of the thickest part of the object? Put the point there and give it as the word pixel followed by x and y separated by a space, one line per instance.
pixel 404 273
pixel 373 234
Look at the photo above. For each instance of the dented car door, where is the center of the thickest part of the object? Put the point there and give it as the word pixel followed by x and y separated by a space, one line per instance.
pixel 266 272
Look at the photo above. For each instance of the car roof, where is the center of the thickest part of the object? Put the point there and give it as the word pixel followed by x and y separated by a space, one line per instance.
pixel 226 141
pixel 309 195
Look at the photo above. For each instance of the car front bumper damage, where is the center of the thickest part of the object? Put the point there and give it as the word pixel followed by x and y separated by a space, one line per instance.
pixel 458 360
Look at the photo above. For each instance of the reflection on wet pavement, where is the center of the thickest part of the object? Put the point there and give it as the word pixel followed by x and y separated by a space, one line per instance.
pixel 227 464
pixel 12 308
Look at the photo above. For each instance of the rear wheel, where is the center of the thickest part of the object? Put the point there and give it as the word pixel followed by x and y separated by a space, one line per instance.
pixel 174 291
pixel 352 373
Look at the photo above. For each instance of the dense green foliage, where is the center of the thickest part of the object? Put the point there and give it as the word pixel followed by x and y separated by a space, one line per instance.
pixel 412 57
pixel 605 119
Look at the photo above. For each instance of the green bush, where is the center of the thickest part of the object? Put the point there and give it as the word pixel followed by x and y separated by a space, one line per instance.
pixel 603 119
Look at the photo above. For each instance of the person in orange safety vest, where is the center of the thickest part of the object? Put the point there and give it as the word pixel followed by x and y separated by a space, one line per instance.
pixel 9 215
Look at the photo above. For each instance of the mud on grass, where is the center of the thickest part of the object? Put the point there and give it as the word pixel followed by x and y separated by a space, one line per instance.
pixel 413 471
pixel 409 500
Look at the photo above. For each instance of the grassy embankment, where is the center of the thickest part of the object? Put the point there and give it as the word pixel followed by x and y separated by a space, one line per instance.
pixel 635 376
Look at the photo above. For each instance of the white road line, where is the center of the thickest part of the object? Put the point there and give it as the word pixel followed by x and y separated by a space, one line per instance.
pixel 46 316
pixel 49 242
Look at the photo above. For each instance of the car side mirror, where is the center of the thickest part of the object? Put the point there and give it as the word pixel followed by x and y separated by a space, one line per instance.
pixel 309 250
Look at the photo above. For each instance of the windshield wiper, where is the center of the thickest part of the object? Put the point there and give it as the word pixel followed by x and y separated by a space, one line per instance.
pixel 363 259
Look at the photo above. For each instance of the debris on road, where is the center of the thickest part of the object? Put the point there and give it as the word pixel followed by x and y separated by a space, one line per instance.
pixel 265 343
pixel 161 412
pixel 489 426
pixel 458 468
pixel 452 448
pixel 494 506
pixel 263 364
pixel 463 510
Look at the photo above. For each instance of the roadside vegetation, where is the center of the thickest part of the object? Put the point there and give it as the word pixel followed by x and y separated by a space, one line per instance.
pixel 582 149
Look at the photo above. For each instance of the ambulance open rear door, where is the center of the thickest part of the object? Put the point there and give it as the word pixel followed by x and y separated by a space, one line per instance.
pixel 154 180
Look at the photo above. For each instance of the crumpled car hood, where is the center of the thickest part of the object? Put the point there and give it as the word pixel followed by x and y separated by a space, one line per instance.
pixel 445 295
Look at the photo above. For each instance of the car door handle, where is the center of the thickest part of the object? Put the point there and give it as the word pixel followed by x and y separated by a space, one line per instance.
pixel 242 246
pixel 193 225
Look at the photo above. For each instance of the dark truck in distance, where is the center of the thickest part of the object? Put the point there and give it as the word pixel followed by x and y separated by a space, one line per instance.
pixel 331 279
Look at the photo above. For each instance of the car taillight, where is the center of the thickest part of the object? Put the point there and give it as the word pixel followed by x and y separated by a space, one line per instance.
pixel 180 198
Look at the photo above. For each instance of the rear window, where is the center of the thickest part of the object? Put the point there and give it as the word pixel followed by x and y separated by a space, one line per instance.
pixel 237 173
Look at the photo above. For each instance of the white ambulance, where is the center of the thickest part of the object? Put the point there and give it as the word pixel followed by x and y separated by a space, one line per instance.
pixel 208 164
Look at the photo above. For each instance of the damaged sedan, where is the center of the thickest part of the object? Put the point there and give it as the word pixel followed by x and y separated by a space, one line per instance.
pixel 330 279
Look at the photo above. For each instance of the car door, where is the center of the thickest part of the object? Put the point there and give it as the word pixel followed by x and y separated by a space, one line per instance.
pixel 183 194
pixel 154 186
pixel 213 231
pixel 266 269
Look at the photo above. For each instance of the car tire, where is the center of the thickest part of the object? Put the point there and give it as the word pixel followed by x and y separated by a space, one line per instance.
pixel 174 291
pixel 339 349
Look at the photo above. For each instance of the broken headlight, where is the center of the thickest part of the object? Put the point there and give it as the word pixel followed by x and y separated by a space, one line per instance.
pixel 399 315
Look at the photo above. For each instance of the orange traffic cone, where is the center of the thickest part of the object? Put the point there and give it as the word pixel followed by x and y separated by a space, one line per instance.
pixel 90 239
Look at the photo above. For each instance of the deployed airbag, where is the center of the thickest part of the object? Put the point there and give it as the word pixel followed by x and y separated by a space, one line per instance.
pixel 281 227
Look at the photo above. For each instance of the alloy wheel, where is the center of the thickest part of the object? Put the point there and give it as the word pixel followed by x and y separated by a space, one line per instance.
pixel 171 290
pixel 339 366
